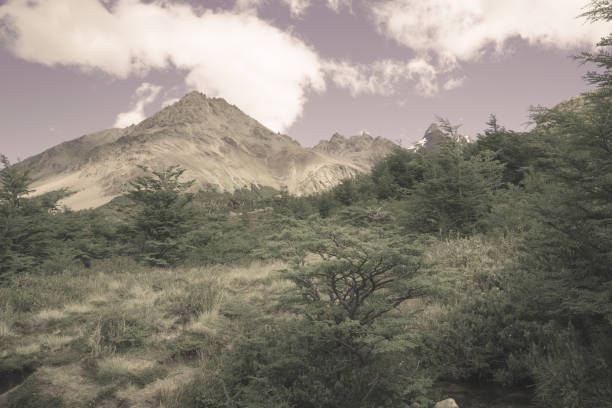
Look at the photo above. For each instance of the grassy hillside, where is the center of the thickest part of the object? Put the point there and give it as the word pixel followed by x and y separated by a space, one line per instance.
pixel 120 334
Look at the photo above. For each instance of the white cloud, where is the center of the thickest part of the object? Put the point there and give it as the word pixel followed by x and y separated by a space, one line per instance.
pixel 453 31
pixel 297 7
pixel 337 5
pixel 263 70
pixel 453 83
pixel 169 102
pixel 383 77
pixel 144 95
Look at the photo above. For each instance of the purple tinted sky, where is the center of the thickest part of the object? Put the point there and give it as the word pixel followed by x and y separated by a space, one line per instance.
pixel 41 105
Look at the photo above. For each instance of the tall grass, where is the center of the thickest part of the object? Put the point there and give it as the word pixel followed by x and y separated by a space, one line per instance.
pixel 120 332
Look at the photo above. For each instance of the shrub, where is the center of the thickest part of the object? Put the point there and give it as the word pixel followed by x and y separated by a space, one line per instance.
pixel 344 348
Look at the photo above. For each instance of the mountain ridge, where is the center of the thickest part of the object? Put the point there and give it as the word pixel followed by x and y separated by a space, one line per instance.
pixel 215 142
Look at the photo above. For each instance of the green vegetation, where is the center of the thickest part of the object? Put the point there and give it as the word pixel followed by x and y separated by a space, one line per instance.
pixel 161 217
pixel 487 263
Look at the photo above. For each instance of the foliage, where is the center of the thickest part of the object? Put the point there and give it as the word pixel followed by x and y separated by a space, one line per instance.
pixel 568 372
pixel 341 350
pixel 456 193
pixel 399 172
pixel 163 215
pixel 26 232
pixel 514 150
pixel 600 10
pixel 569 249
pixel 362 276
pixel 554 311
pixel 15 184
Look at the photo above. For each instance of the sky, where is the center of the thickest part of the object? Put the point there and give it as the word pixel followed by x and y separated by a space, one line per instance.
pixel 306 68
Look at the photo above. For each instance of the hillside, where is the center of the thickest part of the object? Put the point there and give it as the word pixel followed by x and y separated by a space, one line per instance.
pixel 217 144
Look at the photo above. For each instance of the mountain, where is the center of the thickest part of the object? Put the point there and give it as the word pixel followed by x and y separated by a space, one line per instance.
pixel 434 136
pixel 363 150
pixel 215 142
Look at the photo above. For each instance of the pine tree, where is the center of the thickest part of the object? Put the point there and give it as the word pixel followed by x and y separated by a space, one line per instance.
pixel 162 216
pixel 26 233
pixel 15 183
pixel 600 10
pixel 456 193
pixel 514 150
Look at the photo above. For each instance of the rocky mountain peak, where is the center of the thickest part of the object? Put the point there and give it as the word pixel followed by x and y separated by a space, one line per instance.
pixel 341 146
pixel 433 136
pixel 337 138
pixel 193 97
pixel 195 107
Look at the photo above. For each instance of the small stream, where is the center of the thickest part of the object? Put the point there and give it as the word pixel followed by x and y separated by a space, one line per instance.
pixel 470 395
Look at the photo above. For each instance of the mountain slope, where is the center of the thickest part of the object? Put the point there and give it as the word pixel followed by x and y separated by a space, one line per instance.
pixel 217 144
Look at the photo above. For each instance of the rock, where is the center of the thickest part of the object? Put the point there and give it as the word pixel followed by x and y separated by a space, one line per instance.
pixel 447 403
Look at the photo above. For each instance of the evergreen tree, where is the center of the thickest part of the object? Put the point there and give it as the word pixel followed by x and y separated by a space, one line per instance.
pixel 26 233
pixel 600 10
pixel 515 150
pixel 163 215
pixel 397 174
pixel 15 184
pixel 456 193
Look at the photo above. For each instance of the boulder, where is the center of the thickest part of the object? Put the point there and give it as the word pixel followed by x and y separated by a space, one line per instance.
pixel 447 403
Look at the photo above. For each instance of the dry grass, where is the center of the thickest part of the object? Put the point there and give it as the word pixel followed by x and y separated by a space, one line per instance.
pixel 78 308
pixel 5 330
pixel 49 314
pixel 207 322
pixel 120 366
pixel 54 342
pixel 125 319
pixel 69 383
pixel 160 393
pixel 25 349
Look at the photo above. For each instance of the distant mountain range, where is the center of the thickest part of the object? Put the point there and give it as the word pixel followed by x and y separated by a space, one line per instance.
pixel 215 142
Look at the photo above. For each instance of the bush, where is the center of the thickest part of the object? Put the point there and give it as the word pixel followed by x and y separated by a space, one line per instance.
pixel 345 347
pixel 571 375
